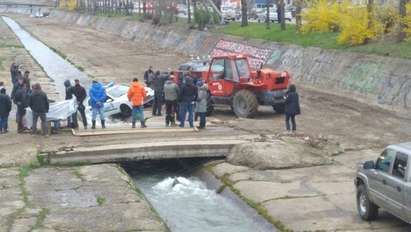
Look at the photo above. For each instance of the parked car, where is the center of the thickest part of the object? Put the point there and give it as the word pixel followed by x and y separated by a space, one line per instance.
pixel 262 16
pixel 386 184
pixel 117 100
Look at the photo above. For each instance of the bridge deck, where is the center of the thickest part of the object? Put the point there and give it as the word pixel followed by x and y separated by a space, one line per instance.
pixel 182 148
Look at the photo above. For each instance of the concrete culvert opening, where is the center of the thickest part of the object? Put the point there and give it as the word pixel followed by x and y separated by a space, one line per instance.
pixel 188 198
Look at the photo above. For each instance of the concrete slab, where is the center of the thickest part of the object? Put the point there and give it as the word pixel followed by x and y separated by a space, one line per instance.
pixel 145 151
pixel 132 131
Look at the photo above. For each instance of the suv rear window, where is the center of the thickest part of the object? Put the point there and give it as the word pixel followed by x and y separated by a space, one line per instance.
pixel 400 165
pixel 385 160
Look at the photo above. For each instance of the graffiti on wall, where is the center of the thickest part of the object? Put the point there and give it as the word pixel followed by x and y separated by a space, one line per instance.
pixel 257 56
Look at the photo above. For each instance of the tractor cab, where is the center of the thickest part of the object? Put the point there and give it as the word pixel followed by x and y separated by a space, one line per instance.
pixel 226 73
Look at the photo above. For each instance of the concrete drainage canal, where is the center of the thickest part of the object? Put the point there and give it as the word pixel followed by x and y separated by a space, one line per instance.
pixel 185 195
pixel 187 198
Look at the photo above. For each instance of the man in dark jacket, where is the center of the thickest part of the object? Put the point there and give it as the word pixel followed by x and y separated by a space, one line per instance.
pixel 5 108
pixel 81 94
pixel 13 73
pixel 39 105
pixel 148 76
pixel 292 107
pixel 19 96
pixel 158 87
pixel 188 96
pixel 71 122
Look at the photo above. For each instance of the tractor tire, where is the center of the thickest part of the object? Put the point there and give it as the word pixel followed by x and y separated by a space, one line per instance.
pixel 245 104
pixel 279 108
pixel 125 111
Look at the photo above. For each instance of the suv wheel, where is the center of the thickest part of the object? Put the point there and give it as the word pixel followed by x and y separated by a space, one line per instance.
pixel 366 209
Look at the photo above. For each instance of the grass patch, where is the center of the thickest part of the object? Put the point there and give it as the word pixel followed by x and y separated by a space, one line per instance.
pixel 78 174
pixel 291 36
pixel 327 40
pixel 100 200
pixel 40 219
pixel 7 45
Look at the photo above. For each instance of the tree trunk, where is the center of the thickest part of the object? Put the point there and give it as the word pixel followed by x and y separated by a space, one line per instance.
pixel 267 17
pixel 282 14
pixel 144 8
pixel 244 15
pixel 403 14
pixel 298 11
pixel 189 11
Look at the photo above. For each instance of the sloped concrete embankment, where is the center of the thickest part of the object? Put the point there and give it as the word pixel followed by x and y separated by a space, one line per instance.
pixel 376 80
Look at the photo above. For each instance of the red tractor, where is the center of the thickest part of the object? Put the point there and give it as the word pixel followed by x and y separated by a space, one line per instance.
pixel 232 82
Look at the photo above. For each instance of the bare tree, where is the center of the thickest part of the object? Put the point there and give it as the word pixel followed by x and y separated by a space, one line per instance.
pixel 244 13
pixel 282 14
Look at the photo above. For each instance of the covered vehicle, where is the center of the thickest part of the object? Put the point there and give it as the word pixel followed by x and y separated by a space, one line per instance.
pixel 117 101
pixel 58 111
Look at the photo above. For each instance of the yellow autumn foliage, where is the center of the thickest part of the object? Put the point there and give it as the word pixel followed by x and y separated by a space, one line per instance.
pixel 321 16
pixel 357 26
pixel 407 20
pixel 353 22
pixel 68 4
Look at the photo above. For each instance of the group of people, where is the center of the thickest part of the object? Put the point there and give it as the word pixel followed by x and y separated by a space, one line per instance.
pixel 182 98
pixel 23 95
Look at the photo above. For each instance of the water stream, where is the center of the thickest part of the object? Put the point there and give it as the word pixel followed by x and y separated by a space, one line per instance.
pixel 187 204
pixel 56 67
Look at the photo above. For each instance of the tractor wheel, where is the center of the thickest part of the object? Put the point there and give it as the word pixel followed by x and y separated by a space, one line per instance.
pixel 245 104
pixel 279 108
pixel 125 111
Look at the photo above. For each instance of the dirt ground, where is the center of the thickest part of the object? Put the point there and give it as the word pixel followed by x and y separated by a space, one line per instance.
pixel 353 126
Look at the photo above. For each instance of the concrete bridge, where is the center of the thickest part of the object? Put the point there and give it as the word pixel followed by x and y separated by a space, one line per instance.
pixel 177 149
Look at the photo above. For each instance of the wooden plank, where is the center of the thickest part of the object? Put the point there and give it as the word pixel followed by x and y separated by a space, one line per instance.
pixel 132 131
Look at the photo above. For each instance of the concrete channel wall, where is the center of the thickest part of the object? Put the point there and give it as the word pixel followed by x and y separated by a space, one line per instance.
pixel 376 80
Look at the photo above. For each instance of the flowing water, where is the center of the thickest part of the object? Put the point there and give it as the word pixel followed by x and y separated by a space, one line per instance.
pixel 186 204
pixel 56 67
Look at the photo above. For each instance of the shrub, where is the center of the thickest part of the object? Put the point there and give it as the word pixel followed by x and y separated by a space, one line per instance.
pixel 321 16
pixel 355 24
pixel 202 18
pixel 388 16
pixel 358 26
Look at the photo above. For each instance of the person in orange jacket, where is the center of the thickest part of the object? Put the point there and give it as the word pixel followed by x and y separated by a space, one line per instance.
pixel 136 94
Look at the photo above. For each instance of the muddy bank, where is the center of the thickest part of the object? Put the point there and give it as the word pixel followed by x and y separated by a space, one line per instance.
pixel 377 80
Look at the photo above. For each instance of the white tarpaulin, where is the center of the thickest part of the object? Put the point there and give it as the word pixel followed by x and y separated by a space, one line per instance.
pixel 57 111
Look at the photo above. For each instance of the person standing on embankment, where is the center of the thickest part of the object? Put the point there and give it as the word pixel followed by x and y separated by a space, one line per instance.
pixel 5 108
pixel 201 104
pixel 292 108
pixel 171 93
pixel 98 96
pixel 81 94
pixel 136 94
pixel 39 105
